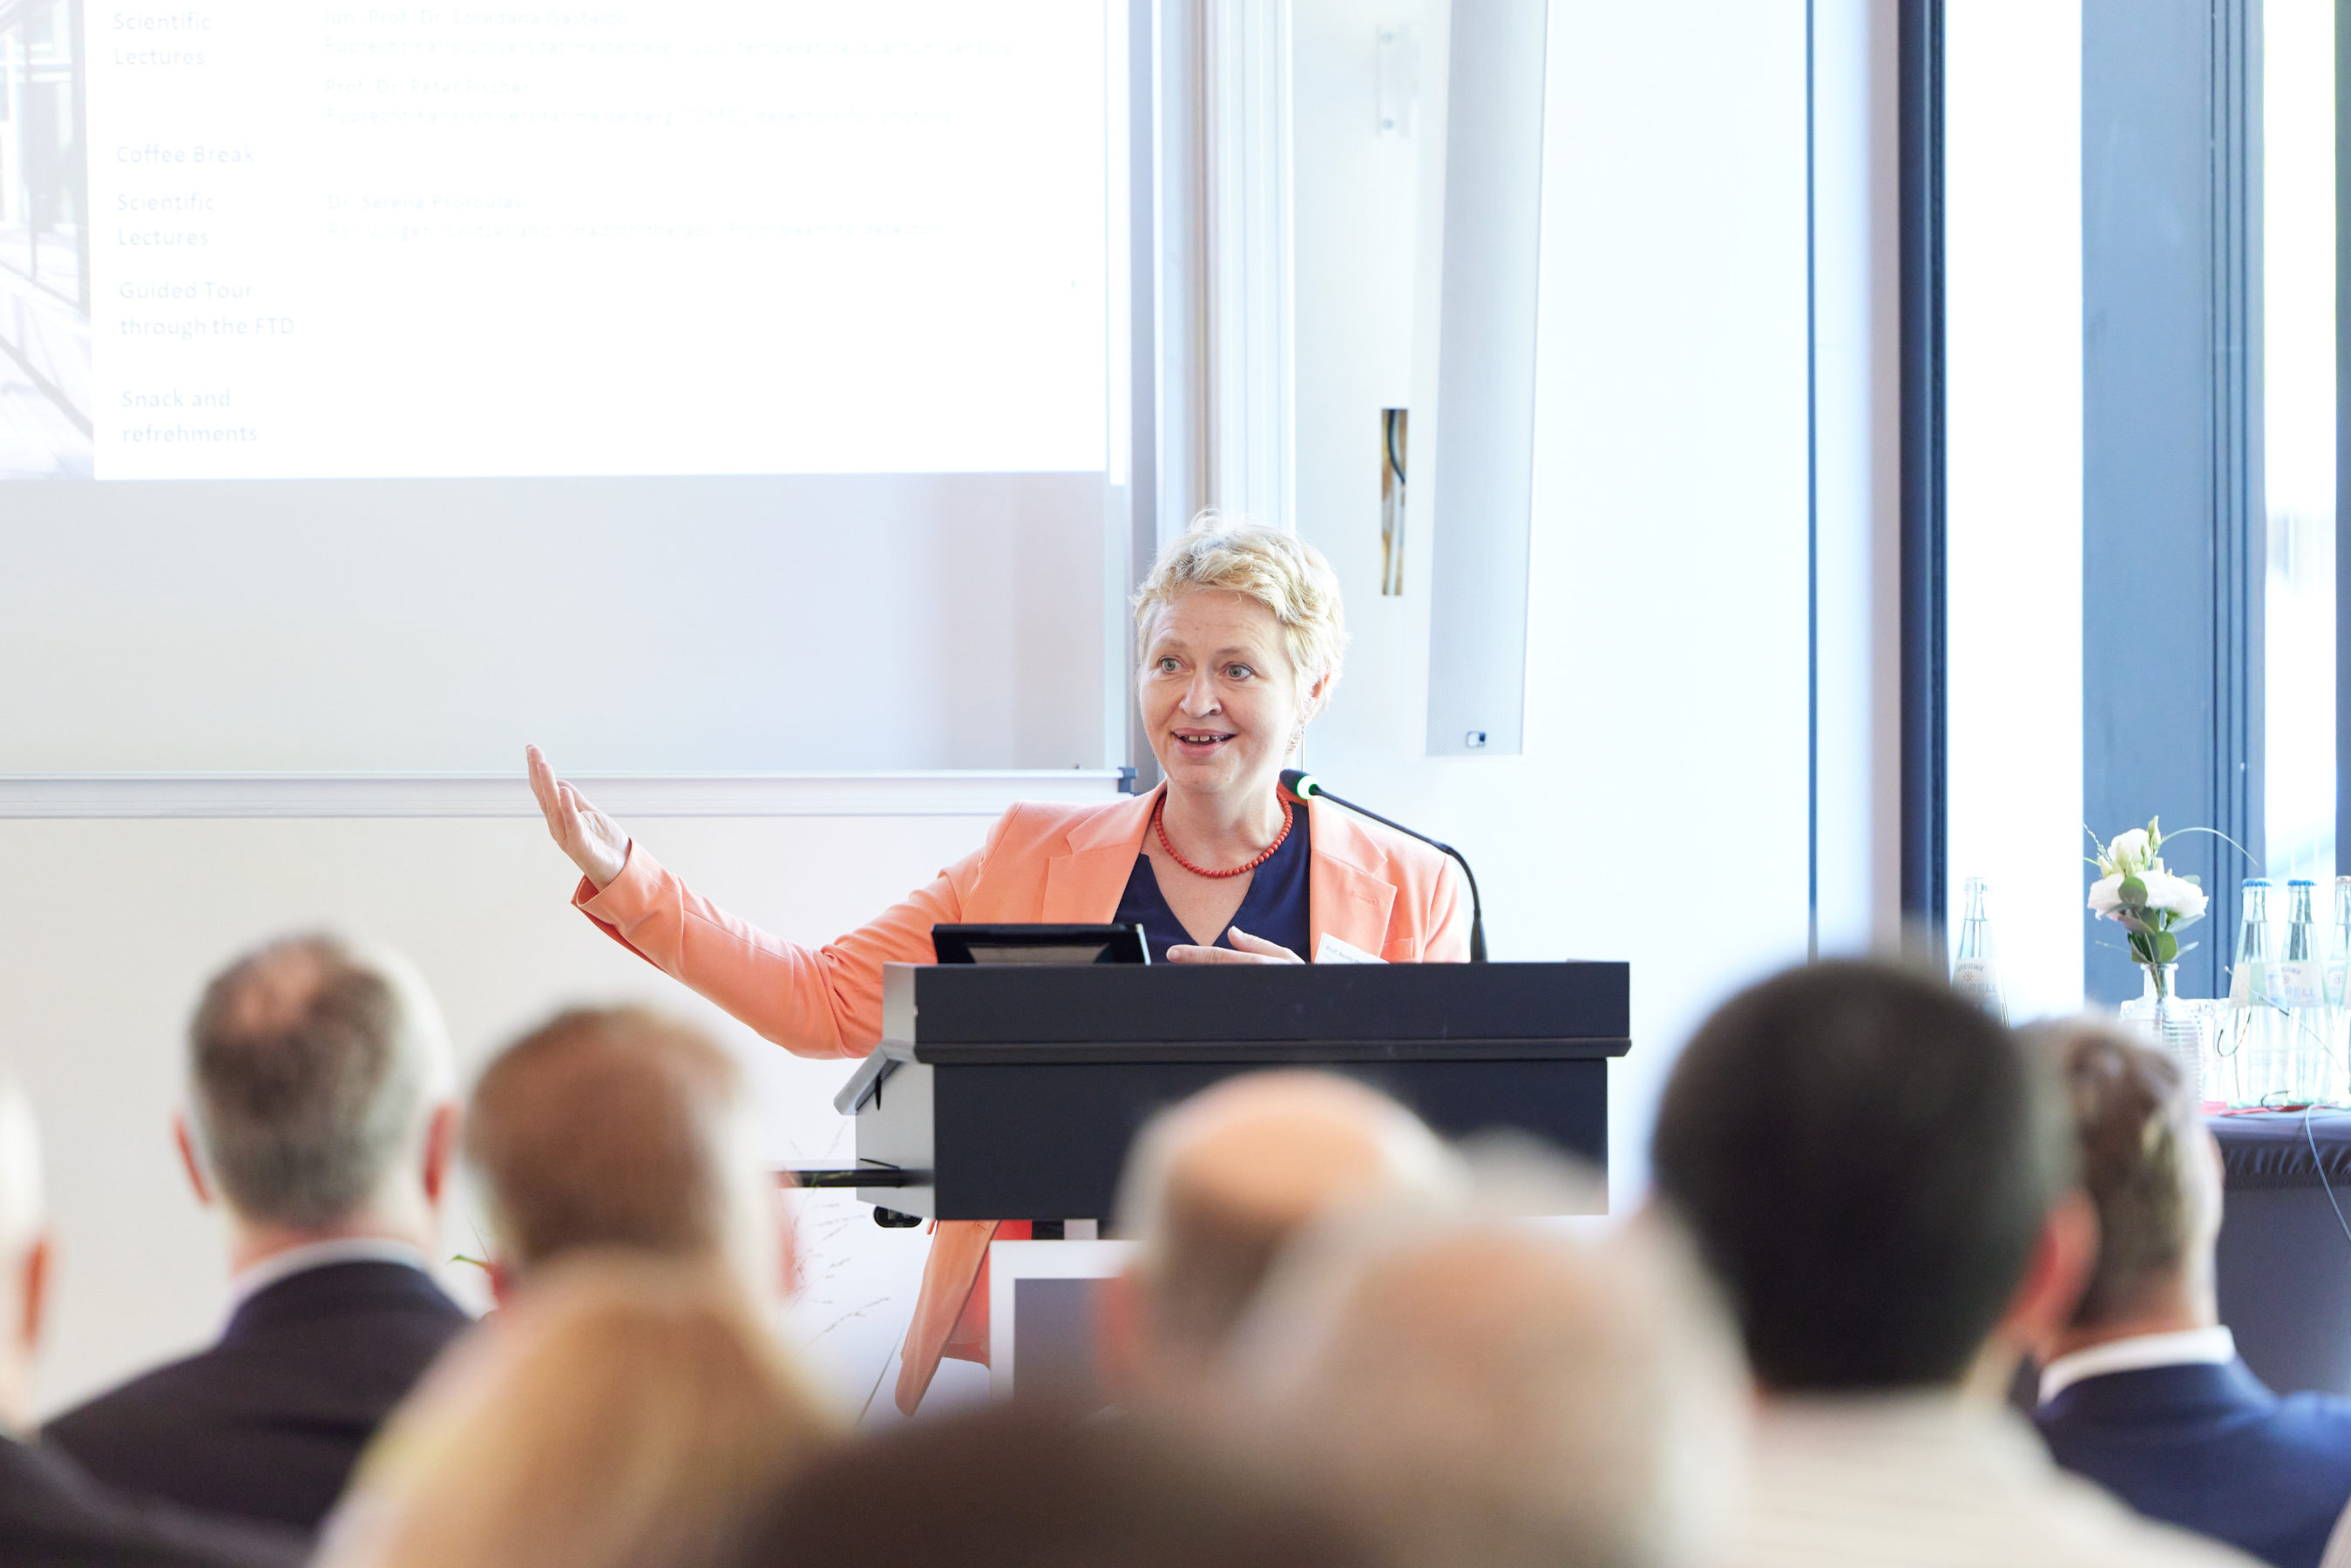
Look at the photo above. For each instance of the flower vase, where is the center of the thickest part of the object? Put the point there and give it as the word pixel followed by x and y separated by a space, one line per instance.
pixel 2179 1029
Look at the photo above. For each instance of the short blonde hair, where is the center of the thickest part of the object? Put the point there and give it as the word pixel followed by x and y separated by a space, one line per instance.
pixel 1281 571
pixel 626 1413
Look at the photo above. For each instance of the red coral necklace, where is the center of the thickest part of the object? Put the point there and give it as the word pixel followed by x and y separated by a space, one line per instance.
pixel 1177 857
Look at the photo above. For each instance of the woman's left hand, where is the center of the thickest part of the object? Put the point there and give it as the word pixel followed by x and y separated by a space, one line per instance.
pixel 1246 948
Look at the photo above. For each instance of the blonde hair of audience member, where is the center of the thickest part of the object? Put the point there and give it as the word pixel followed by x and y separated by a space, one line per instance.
pixel 629 1412
pixel 320 1098
pixel 1493 1393
pixel 618 1127
pixel 2154 1173
pixel 1213 1187
pixel 25 1254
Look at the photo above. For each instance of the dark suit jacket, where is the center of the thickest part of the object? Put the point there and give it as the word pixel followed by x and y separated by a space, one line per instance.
pixel 53 1516
pixel 267 1423
pixel 2212 1449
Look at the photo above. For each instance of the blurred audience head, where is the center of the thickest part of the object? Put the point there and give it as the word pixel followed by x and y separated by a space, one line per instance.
pixel 1498 1393
pixel 1018 1486
pixel 2152 1170
pixel 628 1412
pixel 320 1093
pixel 1881 1177
pixel 1217 1185
pixel 618 1128
pixel 24 1253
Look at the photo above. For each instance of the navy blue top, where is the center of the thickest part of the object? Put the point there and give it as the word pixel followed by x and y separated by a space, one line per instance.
pixel 1275 907
pixel 2212 1449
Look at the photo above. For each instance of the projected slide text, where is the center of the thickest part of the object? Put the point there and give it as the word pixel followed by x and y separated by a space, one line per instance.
pixel 270 239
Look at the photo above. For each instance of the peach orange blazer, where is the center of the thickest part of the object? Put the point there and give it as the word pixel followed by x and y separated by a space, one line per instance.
pixel 1369 886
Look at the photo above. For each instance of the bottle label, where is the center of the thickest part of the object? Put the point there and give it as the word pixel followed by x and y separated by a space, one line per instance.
pixel 2247 985
pixel 2337 968
pixel 2298 982
pixel 1977 980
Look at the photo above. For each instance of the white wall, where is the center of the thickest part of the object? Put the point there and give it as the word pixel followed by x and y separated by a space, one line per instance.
pixel 110 928
pixel 1658 812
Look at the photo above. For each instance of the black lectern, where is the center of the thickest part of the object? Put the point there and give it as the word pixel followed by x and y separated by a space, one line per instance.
pixel 1012 1092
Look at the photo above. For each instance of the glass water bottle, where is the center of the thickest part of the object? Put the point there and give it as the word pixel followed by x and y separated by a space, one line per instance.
pixel 2298 987
pixel 2338 1005
pixel 2339 956
pixel 1975 972
pixel 2253 1036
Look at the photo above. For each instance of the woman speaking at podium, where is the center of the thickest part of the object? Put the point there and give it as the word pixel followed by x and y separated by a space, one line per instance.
pixel 1241 630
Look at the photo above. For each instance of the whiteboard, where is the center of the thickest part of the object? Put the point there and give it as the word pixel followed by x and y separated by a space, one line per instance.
pixel 714 625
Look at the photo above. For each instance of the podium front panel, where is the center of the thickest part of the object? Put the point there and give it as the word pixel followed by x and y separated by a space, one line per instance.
pixel 1033 1141
pixel 1050 1142
pixel 1015 1095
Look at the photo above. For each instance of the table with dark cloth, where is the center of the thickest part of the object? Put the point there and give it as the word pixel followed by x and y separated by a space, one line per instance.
pixel 2285 1254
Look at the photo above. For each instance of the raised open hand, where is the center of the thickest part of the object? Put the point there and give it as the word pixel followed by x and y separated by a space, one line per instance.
pixel 594 841
pixel 1246 948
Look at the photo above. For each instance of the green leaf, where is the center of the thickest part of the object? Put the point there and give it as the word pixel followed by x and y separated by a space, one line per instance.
pixel 2166 948
pixel 2133 891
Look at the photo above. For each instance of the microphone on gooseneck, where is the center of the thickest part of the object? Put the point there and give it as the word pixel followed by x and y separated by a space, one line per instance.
pixel 1302 784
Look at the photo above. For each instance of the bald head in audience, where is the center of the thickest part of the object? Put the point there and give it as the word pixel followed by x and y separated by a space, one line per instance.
pixel 1217 1185
pixel 618 1128
pixel 1502 1394
pixel 321 1101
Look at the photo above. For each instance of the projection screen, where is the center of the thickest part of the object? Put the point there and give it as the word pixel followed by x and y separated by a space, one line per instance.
pixel 708 387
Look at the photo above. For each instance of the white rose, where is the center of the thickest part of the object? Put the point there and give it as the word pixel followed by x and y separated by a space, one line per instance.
pixel 2184 899
pixel 2129 851
pixel 2107 896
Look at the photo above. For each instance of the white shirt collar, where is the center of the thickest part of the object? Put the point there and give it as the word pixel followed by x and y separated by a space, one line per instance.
pixel 247 1283
pixel 2187 1347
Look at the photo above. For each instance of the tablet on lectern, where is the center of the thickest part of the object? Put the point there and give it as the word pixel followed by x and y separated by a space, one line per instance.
pixel 1040 944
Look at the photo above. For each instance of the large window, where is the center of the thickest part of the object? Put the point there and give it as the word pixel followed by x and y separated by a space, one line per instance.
pixel 45 394
pixel 2012 386
pixel 2297 154
pixel 43 233
pixel 2148 574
